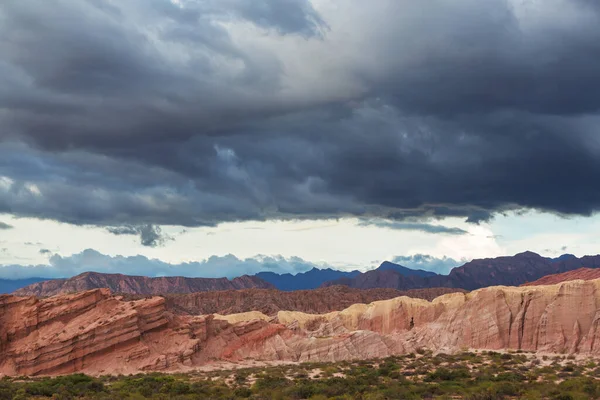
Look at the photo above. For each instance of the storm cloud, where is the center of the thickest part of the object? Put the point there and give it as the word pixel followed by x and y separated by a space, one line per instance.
pixel 150 235
pixel 197 112
pixel 411 226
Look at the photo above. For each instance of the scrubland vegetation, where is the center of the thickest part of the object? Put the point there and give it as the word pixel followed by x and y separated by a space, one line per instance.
pixel 475 376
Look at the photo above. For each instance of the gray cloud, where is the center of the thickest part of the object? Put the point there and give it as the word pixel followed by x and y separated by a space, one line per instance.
pixel 287 17
pixel 413 226
pixel 5 226
pixel 150 235
pixel 45 251
pixel 144 113
pixel 426 262
pixel 213 267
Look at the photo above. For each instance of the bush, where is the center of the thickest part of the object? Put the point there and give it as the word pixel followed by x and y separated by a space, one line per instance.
pixel 445 374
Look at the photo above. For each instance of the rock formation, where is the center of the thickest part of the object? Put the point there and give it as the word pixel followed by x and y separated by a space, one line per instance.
pixel 119 283
pixel 270 301
pixel 581 273
pixel 96 332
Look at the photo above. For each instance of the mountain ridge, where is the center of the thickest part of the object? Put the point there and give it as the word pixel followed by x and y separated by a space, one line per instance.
pixel 580 273
pixel 10 285
pixel 505 270
pixel 271 301
pixel 311 279
pixel 137 284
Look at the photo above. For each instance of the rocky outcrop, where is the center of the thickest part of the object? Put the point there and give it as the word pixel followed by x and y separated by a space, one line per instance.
pixel 119 283
pixel 510 271
pixel 581 273
pixel 96 332
pixel 269 302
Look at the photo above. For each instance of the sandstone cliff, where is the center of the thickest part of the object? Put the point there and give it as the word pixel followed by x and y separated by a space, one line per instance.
pixel 119 283
pixel 96 332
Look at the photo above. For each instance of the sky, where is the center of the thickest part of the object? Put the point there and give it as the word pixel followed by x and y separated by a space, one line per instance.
pixel 223 137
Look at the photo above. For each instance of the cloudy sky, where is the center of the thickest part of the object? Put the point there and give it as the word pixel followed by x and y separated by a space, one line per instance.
pixel 221 137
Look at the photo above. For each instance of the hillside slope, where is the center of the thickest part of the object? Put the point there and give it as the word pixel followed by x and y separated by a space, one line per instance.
pixel 269 302
pixel 581 273
pixel 119 283
pixel 10 285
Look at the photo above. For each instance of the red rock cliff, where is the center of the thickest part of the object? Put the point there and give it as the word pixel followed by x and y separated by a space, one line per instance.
pixel 96 332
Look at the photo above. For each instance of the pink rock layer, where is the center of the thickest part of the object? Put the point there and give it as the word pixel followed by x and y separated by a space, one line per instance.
pixel 99 333
pixel 582 273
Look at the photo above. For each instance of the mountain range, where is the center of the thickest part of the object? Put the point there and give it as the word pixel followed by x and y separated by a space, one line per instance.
pixel 509 271
pixel 10 285
pixel 318 277
pixel 119 283
pixel 271 301
pixel 304 280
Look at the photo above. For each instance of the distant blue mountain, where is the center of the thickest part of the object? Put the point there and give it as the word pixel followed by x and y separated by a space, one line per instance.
pixel 316 277
pixel 387 266
pixel 10 285
pixel 305 280
pixel 562 258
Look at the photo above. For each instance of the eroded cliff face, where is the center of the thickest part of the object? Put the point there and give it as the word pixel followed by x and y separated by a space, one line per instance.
pixel 96 332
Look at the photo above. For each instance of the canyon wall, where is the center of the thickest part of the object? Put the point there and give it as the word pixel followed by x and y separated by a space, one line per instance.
pixel 96 332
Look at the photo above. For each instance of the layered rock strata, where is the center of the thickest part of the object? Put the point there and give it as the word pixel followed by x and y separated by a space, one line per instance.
pixel 96 332
pixel 268 301
pixel 585 274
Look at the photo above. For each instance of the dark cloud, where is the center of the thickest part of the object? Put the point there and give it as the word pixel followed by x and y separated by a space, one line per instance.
pixel 5 226
pixel 413 226
pixel 214 267
pixel 150 235
pixel 145 113
pixel 45 251
pixel 440 265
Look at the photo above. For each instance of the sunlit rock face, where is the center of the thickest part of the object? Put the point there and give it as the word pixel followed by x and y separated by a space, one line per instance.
pixel 100 333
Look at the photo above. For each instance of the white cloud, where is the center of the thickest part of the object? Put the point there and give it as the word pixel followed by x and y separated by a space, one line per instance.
pixel 214 267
